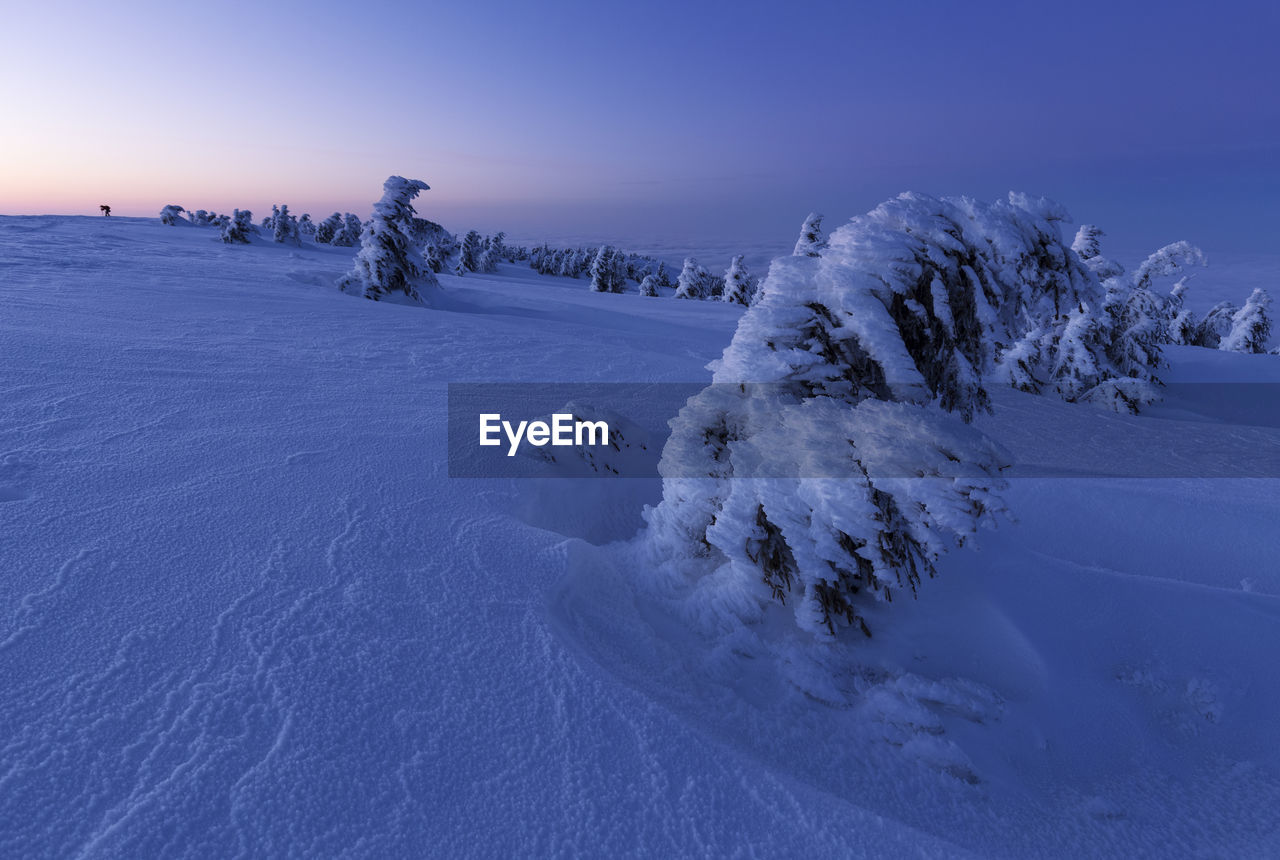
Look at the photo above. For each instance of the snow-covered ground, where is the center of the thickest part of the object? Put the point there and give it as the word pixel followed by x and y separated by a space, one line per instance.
pixel 244 609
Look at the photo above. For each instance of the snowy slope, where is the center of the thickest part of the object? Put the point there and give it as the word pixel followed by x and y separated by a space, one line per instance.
pixel 245 611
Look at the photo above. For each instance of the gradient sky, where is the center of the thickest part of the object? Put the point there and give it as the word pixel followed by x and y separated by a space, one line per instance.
pixel 696 120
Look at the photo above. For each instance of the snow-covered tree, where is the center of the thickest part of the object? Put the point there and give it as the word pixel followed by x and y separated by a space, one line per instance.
pixel 269 223
pixel 694 281
pixel 328 228
pixel 489 256
pixel 237 228
pixel 348 234
pixel 1215 326
pixel 810 243
pixel 286 226
pixel 388 261
pixel 1087 244
pixel 306 226
pixel 606 271
pixel 171 215
pixel 649 286
pixel 739 286
pixel 1172 259
pixel 663 276
pixel 472 248
pixel 1250 326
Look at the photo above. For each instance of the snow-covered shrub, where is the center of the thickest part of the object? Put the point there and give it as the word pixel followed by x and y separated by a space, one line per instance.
pixel 649 286
pixel 739 286
pixel 607 275
pixel 348 233
pixel 1250 326
pixel 389 261
pixel 694 281
pixel 171 215
pixel 810 243
pixel 237 228
pixel 328 228
pixel 285 227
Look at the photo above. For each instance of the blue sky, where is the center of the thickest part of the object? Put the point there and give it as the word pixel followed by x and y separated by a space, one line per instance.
pixel 706 120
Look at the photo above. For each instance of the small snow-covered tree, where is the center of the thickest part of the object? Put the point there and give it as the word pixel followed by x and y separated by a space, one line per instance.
pixel 269 223
pixel 606 271
pixel 286 226
pixel 1250 326
pixel 388 261
pixel 348 234
pixel 1170 260
pixel 739 286
pixel 693 282
pixel 171 215
pixel 649 286
pixel 1215 326
pixel 663 276
pixel 472 248
pixel 810 243
pixel 328 228
pixel 489 257
pixel 306 226
pixel 237 228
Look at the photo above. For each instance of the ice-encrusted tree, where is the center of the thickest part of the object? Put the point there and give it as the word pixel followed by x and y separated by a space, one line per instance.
pixel 328 228
pixel 171 215
pixel 810 243
pixel 739 286
pixel 606 271
pixel 649 286
pixel 489 257
pixel 1250 326
pixel 348 233
pixel 694 281
pixel 830 463
pixel 389 262
pixel 285 226
pixel 306 226
pixel 236 229
pixel 1215 326
pixel 1088 245
pixel 472 248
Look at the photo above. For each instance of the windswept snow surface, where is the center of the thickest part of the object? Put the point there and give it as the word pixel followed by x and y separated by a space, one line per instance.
pixel 244 611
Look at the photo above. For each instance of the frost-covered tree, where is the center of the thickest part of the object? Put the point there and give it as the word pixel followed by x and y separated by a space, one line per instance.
pixel 1088 245
pixel 1172 259
pixel 328 228
pixel 606 269
pixel 810 243
pixel 286 226
pixel 739 286
pixel 1215 326
pixel 269 223
pixel 1250 326
pixel 472 248
pixel 389 262
pixel 237 228
pixel 694 281
pixel 489 256
pixel 649 286
pixel 348 234
pixel 663 276
pixel 171 215
pixel 306 226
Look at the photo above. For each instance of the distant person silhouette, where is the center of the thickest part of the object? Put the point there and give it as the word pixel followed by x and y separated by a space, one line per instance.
pixel 106 210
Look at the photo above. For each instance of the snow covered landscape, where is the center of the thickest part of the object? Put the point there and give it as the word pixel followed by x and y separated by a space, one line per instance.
pixel 246 611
